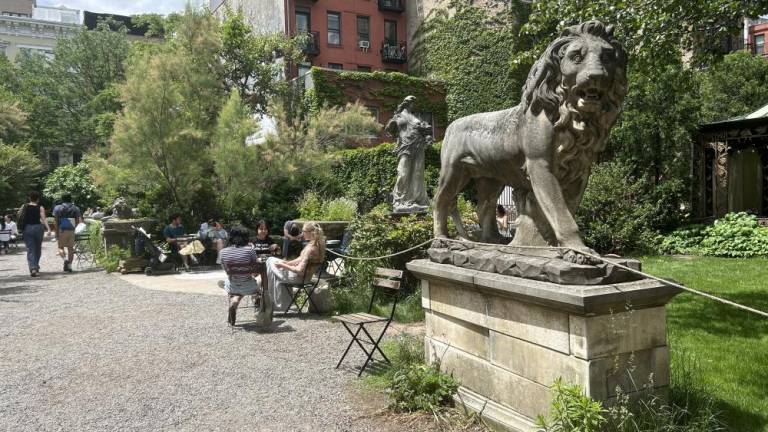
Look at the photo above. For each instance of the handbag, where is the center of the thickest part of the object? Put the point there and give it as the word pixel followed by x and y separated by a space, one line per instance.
pixel 20 216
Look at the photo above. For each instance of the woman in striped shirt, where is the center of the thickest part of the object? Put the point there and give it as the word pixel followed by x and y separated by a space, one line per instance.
pixel 240 262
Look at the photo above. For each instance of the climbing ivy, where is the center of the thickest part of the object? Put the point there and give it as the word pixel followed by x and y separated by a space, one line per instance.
pixel 471 50
pixel 388 88
pixel 368 174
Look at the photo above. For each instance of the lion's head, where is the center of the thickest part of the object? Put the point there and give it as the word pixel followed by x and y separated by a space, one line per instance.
pixel 579 83
pixel 585 67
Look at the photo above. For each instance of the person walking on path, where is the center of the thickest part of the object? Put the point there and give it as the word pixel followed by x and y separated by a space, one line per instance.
pixel 31 219
pixel 66 216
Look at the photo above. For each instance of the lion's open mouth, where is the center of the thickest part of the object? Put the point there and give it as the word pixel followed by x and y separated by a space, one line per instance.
pixel 591 94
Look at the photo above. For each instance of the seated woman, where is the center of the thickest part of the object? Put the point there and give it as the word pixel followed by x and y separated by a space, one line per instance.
pixel 218 236
pixel 264 243
pixel 240 263
pixel 280 271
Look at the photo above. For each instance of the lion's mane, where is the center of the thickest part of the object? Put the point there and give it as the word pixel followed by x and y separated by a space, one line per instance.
pixel 580 138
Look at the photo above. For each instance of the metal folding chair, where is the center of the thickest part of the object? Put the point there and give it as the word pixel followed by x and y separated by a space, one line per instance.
pixel 309 282
pixel 335 262
pixel 83 250
pixel 387 284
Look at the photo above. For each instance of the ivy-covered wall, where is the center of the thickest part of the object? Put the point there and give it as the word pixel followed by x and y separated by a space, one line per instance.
pixel 384 90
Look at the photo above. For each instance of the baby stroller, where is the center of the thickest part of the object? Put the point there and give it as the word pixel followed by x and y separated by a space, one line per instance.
pixel 157 261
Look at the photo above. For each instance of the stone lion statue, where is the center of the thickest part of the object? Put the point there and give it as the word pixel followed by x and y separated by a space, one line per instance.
pixel 544 147
pixel 121 209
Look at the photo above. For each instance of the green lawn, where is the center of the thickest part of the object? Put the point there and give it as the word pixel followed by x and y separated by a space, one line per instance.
pixel 728 346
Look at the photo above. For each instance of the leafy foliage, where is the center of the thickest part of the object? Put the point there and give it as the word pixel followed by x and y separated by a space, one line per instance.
pixel 234 163
pixel 73 179
pixel 368 174
pixel 253 64
pixel 572 411
pixel 421 387
pixel 736 86
pixel 19 170
pixel 621 212
pixel 484 39
pixel 312 206
pixel 171 101
pixel 59 94
pixel 736 235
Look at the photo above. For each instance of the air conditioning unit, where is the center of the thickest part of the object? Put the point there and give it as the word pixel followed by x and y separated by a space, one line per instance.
pixel 363 44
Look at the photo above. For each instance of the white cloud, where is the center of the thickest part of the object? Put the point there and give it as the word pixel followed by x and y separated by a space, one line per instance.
pixel 122 7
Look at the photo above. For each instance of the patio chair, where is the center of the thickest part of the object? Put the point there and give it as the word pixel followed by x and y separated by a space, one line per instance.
pixel 5 238
pixel 337 263
pixel 83 250
pixel 309 282
pixel 387 285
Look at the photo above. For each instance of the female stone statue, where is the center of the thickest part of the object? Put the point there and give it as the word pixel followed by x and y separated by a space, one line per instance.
pixel 413 137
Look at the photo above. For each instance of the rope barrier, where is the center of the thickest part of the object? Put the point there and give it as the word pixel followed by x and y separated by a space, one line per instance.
pixel 597 257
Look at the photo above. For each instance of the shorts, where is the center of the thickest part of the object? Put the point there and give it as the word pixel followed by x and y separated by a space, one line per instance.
pixel 66 239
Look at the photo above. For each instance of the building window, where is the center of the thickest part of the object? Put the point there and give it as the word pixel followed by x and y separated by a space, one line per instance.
pixel 363 68
pixel 374 110
pixel 77 157
pixel 334 28
pixel 336 66
pixel 53 158
pixel 364 32
pixel 760 44
pixel 390 32
pixel 303 22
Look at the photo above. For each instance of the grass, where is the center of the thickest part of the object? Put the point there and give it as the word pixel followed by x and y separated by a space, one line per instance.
pixel 729 346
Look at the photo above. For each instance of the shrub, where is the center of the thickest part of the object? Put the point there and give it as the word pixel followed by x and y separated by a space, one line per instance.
pixel 572 411
pixel 621 212
pixel 109 259
pixel 736 235
pixel 73 179
pixel 367 175
pixel 685 240
pixel 312 206
pixel 421 387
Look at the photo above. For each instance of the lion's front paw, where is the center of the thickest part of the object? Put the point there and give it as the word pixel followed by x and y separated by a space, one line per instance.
pixel 581 255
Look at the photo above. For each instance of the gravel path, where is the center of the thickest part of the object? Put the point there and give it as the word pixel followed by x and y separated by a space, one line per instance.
pixel 88 351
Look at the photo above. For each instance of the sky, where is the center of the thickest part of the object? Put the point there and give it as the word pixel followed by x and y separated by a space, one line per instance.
pixel 123 7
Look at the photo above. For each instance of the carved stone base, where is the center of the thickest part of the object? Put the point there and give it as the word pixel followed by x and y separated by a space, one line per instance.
pixel 507 339
pixel 539 264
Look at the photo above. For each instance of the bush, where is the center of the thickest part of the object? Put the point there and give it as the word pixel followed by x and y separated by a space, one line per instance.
pixel 411 384
pixel 690 408
pixel 367 175
pixel 76 180
pixel 736 235
pixel 312 206
pixel 622 213
pixel 421 387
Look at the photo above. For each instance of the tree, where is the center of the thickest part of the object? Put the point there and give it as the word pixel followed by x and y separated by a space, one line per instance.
pixel 171 99
pixel 19 171
pixel 58 93
pixel 255 64
pixel 736 86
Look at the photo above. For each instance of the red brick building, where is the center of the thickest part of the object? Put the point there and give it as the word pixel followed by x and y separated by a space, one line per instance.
pixel 757 37
pixel 356 35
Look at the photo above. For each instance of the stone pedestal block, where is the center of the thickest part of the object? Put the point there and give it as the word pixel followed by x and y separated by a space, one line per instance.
pixel 507 339
pixel 119 232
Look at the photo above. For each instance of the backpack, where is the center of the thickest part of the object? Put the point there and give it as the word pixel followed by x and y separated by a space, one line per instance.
pixel 65 216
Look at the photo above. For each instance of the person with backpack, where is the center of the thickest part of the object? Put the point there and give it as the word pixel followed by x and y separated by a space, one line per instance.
pixel 66 216
pixel 31 218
